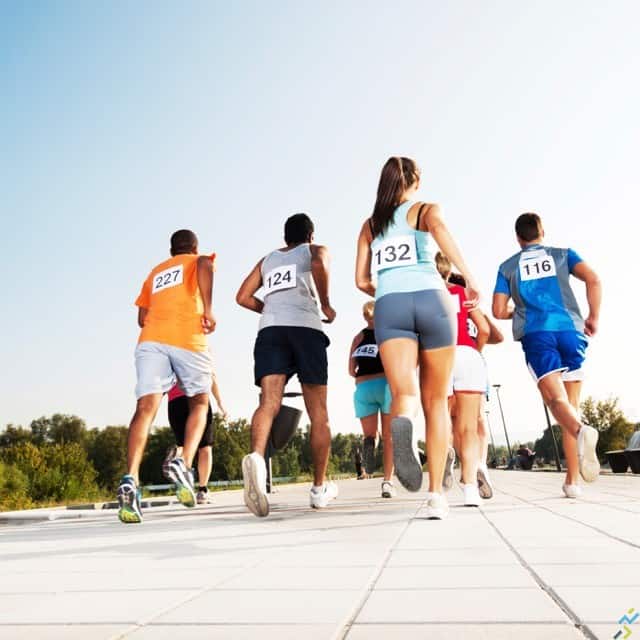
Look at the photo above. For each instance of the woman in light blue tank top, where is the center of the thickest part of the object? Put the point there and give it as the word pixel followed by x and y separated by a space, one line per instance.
pixel 415 319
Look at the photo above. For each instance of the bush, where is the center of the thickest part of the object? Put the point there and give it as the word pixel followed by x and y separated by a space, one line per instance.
pixel 107 451
pixel 14 488
pixel 54 472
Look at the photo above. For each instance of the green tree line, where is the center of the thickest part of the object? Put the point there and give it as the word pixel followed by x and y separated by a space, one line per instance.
pixel 57 459
pixel 606 416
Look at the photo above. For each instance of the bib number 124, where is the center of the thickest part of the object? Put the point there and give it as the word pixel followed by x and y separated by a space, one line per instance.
pixel 395 252
pixel 279 278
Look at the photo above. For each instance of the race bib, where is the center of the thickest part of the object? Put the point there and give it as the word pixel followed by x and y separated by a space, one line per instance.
pixel 399 251
pixel 536 265
pixel 280 278
pixel 366 351
pixel 168 278
pixel 472 330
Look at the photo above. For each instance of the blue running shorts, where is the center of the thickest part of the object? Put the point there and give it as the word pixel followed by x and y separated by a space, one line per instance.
pixel 550 351
pixel 372 396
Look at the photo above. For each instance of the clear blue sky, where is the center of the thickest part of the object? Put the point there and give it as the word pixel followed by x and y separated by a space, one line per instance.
pixel 121 122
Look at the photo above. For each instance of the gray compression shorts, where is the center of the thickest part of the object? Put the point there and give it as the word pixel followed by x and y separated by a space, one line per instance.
pixel 426 316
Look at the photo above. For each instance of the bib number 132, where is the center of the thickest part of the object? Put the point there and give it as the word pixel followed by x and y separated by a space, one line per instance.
pixel 279 278
pixel 395 252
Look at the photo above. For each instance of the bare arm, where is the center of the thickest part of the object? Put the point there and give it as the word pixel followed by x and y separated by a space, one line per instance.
pixel 501 308
pixel 478 318
pixel 584 272
pixel 246 294
pixel 434 223
pixel 142 315
pixel 205 285
pixel 215 392
pixel 495 335
pixel 352 360
pixel 364 281
pixel 320 273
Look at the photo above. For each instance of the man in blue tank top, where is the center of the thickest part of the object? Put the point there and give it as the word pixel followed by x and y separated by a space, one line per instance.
pixel 548 323
pixel 291 340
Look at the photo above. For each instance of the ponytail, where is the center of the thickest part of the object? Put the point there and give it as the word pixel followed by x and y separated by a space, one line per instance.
pixel 398 174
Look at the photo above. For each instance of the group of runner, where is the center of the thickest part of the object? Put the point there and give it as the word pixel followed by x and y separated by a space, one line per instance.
pixel 424 333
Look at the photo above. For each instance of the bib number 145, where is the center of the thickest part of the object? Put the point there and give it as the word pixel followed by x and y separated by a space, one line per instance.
pixel 279 278
pixel 395 252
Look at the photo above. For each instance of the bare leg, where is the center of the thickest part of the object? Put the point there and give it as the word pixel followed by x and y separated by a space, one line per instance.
pixel 454 440
pixel 555 397
pixel 146 409
pixel 435 371
pixel 483 435
pixel 573 389
pixel 387 447
pixel 399 357
pixel 465 428
pixel 370 425
pixel 205 464
pixel 315 400
pixel 272 387
pixel 196 423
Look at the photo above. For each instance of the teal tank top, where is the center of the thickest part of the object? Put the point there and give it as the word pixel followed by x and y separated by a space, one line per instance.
pixel 404 259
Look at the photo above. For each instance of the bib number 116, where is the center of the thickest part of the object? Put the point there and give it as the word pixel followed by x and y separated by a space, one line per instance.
pixel 536 268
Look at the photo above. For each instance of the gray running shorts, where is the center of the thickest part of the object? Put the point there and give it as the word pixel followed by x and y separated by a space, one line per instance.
pixel 426 316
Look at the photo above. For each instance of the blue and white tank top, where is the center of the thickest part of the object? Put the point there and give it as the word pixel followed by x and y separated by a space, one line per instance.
pixel 403 258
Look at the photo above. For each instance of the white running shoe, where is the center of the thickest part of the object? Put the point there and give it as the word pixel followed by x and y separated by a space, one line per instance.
pixel 484 482
pixel 589 464
pixel 320 497
pixel 572 490
pixel 388 490
pixel 471 495
pixel 437 506
pixel 447 479
pixel 254 476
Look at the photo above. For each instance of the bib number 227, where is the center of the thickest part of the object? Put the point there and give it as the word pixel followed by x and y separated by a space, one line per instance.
pixel 395 252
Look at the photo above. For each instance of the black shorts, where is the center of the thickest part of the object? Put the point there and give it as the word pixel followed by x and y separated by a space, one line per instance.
pixel 291 350
pixel 178 414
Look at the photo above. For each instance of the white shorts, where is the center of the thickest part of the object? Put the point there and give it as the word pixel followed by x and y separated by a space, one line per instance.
pixel 577 375
pixel 469 371
pixel 159 365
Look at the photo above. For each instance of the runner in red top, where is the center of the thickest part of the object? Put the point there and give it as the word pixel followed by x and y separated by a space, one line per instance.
pixel 468 384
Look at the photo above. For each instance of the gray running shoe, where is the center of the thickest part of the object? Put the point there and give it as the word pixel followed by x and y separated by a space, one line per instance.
pixel 166 468
pixel 202 497
pixel 408 468
pixel 369 455
pixel 447 479
pixel 184 482
pixel 484 482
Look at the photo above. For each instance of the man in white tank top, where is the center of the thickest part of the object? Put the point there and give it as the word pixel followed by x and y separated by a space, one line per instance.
pixel 290 341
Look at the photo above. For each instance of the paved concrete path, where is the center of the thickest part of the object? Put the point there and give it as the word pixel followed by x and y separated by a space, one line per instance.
pixel 529 565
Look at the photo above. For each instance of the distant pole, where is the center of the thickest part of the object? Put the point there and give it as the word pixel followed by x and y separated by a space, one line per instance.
pixel 504 424
pixel 493 444
pixel 553 435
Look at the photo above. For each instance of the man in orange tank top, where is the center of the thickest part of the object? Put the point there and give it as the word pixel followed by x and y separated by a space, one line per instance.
pixel 175 315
